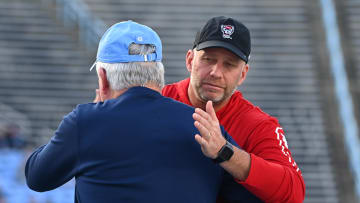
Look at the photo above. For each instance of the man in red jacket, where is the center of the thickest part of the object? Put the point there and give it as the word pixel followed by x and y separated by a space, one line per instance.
pixel 218 63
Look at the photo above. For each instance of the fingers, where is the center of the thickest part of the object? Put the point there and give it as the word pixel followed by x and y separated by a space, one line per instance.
pixel 207 120
pixel 203 118
pixel 205 146
pixel 202 113
pixel 205 133
pixel 210 113
pixel 200 140
pixel 210 110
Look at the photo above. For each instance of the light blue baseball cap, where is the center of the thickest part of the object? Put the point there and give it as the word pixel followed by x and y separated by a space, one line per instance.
pixel 114 44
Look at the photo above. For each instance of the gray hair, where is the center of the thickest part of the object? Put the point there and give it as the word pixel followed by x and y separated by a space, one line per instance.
pixel 126 75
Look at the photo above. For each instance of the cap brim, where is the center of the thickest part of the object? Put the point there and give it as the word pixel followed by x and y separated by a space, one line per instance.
pixel 228 46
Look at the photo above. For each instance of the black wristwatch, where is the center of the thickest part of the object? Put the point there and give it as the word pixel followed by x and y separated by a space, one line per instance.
pixel 225 153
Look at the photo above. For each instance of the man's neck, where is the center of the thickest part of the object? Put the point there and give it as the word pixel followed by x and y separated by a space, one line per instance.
pixel 117 93
pixel 153 87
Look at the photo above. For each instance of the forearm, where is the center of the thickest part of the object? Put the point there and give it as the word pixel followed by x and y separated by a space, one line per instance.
pixel 34 178
pixel 54 164
pixel 41 171
pixel 46 169
pixel 238 165
pixel 273 178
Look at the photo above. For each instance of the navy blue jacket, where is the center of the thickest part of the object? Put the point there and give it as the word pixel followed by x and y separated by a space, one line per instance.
pixel 139 147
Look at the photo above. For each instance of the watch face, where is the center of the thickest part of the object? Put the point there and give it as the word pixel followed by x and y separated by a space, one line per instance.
pixel 226 153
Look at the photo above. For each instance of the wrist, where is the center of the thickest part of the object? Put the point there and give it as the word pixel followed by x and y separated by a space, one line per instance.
pixel 225 153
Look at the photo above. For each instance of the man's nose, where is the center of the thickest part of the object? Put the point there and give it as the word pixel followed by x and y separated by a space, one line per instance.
pixel 216 70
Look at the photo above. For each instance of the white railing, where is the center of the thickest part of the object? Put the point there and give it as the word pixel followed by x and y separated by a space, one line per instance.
pixel 76 14
pixel 344 98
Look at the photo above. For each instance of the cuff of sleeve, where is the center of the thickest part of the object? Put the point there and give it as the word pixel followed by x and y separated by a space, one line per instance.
pixel 250 177
pixel 261 175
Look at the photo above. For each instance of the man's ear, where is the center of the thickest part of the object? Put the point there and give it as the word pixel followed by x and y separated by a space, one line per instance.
pixel 189 59
pixel 243 74
pixel 104 85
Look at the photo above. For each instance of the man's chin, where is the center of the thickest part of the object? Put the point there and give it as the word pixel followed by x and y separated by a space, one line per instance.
pixel 214 99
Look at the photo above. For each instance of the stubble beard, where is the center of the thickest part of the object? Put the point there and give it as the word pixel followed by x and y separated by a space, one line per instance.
pixel 216 100
pixel 203 96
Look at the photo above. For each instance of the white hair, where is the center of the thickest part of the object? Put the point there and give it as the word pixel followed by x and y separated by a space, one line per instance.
pixel 126 75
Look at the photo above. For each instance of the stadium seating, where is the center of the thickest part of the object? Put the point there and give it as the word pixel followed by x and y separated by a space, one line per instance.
pixel 350 23
pixel 44 71
pixel 44 68
pixel 13 185
pixel 351 12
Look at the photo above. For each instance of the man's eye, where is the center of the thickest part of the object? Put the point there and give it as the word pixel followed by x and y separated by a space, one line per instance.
pixel 229 65
pixel 208 59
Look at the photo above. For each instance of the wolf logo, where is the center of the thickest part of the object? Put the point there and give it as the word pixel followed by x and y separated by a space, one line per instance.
pixel 227 31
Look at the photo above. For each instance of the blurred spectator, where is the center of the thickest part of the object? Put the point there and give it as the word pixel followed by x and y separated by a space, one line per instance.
pixel 10 137
pixel 2 197
pixel 13 188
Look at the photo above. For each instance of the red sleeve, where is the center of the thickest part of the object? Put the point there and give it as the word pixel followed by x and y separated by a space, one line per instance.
pixel 274 175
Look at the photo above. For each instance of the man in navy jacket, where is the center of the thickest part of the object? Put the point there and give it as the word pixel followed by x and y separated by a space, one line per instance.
pixel 132 145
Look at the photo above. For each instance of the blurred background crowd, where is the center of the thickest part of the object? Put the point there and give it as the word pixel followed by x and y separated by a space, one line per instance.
pixel 14 150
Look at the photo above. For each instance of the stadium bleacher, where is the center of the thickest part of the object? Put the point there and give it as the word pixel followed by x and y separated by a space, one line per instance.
pixel 47 67
pixel 43 72
pixel 350 24
pixel 43 75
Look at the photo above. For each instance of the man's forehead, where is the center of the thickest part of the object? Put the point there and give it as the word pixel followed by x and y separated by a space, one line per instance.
pixel 219 51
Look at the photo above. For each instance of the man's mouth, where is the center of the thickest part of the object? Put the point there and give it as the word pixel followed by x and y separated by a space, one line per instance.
pixel 212 86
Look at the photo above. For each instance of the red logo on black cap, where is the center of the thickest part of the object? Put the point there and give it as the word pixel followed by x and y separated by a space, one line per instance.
pixel 227 31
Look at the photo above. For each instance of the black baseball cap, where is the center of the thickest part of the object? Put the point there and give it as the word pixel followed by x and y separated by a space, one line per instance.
pixel 227 33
